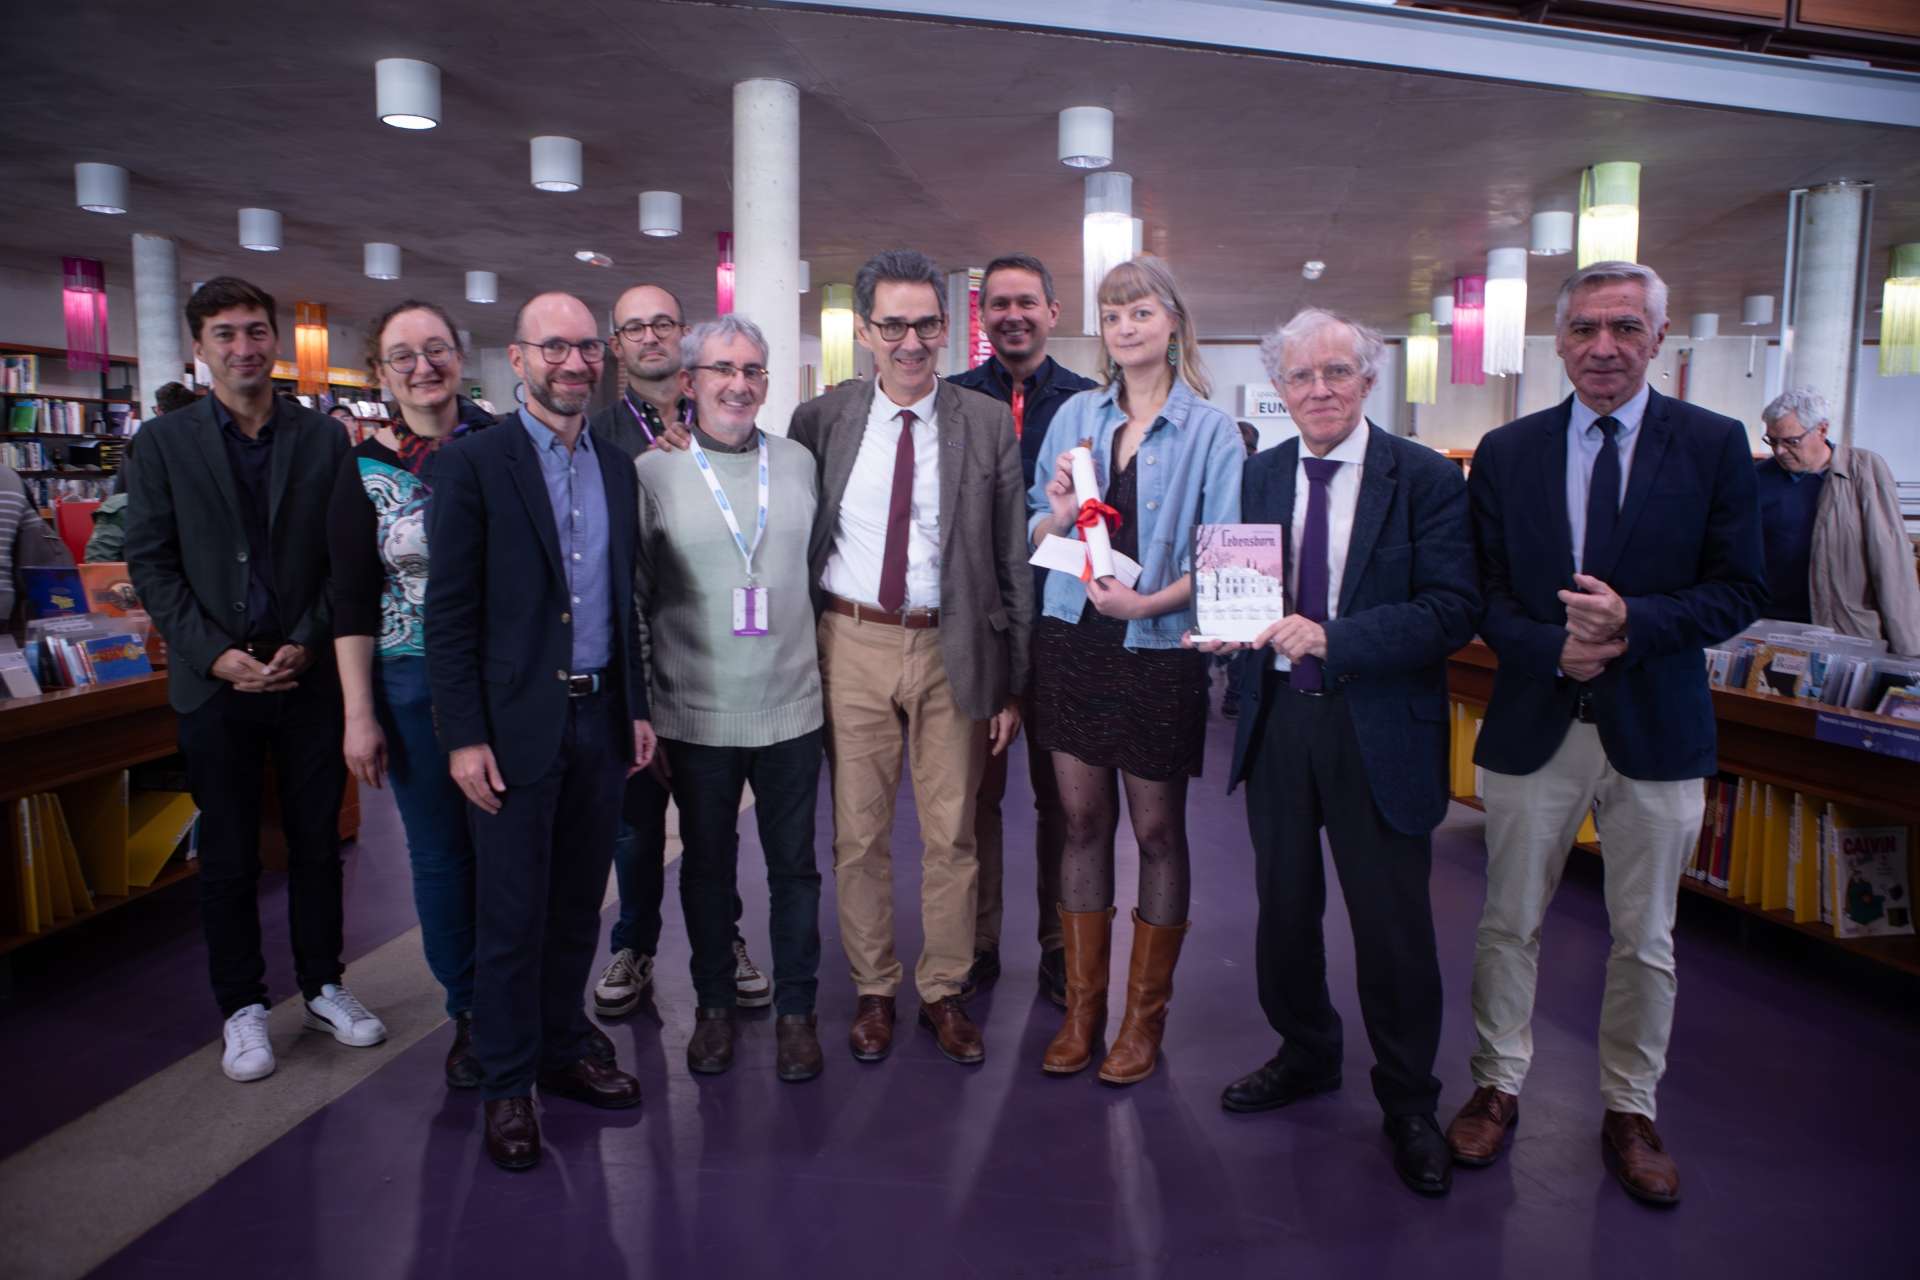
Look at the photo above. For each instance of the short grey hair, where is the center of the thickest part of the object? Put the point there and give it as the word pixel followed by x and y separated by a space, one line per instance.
pixel 693 343
pixel 1368 349
pixel 1808 406
pixel 897 266
pixel 1614 272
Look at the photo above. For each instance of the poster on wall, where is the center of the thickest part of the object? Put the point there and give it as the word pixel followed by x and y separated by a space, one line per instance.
pixel 979 350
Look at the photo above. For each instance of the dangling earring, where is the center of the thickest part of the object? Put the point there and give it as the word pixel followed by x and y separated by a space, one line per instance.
pixel 1113 370
pixel 1173 354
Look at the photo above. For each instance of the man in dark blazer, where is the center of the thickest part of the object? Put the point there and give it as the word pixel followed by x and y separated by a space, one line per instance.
pixel 226 544
pixel 1353 736
pixel 918 563
pixel 541 702
pixel 1618 536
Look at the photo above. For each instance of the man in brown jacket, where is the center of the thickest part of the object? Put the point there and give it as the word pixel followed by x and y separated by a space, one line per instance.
pixel 918 568
pixel 1837 550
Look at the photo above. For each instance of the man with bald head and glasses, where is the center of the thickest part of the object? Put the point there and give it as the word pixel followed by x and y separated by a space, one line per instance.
pixel 541 699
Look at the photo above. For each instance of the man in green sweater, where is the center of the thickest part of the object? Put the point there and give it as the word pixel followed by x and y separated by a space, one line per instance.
pixel 721 580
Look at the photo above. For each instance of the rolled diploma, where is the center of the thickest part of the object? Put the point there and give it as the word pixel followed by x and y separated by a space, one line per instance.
pixel 1086 486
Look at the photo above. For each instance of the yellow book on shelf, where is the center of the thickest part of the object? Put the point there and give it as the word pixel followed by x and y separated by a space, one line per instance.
pixel 1756 842
pixel 52 869
pixel 157 821
pixel 97 819
pixel 1806 873
pixel 1742 837
pixel 77 887
pixel 24 881
pixel 1773 871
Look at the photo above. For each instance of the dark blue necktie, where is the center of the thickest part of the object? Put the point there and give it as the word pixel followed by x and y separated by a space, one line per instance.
pixel 1603 496
pixel 1310 597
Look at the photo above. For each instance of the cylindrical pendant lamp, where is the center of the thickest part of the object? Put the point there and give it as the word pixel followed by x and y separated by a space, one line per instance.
pixel 382 261
pixel 1086 137
pixel 836 334
pixel 1506 316
pixel 260 230
pixel 1704 327
pixel 1469 330
pixel 1756 308
pixel 1900 313
pixel 1423 359
pixel 1552 233
pixel 659 213
pixel 1610 213
pixel 1442 310
pixel 406 93
pixel 557 165
pixel 100 188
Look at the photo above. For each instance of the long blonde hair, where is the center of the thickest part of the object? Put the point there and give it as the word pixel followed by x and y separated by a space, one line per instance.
pixel 1138 278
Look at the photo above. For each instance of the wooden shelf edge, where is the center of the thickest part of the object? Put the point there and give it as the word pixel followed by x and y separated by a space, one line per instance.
pixel 171 874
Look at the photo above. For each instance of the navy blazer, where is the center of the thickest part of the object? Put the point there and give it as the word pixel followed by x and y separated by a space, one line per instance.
pixel 499 617
pixel 1686 554
pixel 1409 597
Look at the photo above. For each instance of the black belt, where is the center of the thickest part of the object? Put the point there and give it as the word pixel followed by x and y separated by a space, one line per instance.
pixel 1583 707
pixel 582 685
pixel 1286 682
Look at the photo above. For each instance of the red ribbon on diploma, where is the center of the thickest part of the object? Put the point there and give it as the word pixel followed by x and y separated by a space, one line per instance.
pixel 1092 512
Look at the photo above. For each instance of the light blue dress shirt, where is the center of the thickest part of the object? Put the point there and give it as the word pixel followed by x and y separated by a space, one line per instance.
pixel 1583 448
pixel 579 500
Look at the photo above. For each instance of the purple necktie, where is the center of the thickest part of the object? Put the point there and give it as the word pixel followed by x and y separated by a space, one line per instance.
pixel 1310 595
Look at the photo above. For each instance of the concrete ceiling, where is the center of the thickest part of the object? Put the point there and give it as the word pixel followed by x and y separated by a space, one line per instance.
pixel 913 133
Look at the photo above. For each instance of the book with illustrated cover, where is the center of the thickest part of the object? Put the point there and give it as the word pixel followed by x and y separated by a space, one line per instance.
pixel 1871 887
pixel 53 592
pixel 1239 579
pixel 109 588
pixel 116 658
pixel 1901 704
pixel 1777 669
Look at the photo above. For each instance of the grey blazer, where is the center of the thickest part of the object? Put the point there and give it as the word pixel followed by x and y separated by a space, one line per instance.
pixel 986 587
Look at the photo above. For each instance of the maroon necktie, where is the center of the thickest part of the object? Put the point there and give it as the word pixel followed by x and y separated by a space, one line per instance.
pixel 893 561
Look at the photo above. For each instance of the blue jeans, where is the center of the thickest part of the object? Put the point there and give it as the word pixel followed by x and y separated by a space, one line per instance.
pixel 434 813
pixel 639 866
pixel 707 783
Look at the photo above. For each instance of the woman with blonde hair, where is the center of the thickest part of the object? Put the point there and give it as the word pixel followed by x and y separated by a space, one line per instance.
pixel 1117 700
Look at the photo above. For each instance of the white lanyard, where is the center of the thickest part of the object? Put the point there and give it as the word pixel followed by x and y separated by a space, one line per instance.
pixel 726 508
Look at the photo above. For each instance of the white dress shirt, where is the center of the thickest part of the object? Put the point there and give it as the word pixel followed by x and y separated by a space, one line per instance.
pixel 1343 495
pixel 860 538
pixel 1583 449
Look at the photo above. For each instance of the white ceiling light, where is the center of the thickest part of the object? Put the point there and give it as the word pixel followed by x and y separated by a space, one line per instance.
pixel 806 276
pixel 1313 268
pixel 659 213
pixel 382 261
pixel 1443 309
pixel 556 163
pixel 1086 137
pixel 100 188
pixel 1756 308
pixel 1705 326
pixel 1552 233
pixel 483 286
pixel 592 258
pixel 1106 236
pixel 406 93
pixel 1506 312
pixel 260 230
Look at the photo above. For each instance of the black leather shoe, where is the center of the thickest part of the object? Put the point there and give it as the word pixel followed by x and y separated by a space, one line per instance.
pixel 599 1048
pixel 513 1134
pixel 711 1050
pixel 798 1055
pixel 1053 975
pixel 1420 1154
pixel 462 1071
pixel 984 973
pixel 1274 1086
pixel 589 1082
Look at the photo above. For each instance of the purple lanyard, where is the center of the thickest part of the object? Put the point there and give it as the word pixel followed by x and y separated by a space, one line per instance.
pixel 638 418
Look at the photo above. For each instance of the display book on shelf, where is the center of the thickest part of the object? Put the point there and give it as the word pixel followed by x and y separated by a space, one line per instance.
pixel 85 625
pixel 1805 827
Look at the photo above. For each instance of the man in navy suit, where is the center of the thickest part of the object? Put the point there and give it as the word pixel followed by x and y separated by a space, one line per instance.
pixel 1348 730
pixel 541 702
pixel 1618 535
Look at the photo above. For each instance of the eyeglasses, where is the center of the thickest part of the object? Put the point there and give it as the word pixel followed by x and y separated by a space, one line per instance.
pixel 1336 376
pixel 927 328
pixel 592 350
pixel 1785 442
pixel 438 354
pixel 637 330
pixel 755 373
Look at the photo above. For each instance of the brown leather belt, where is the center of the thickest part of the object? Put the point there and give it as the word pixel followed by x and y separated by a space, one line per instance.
pixel 911 619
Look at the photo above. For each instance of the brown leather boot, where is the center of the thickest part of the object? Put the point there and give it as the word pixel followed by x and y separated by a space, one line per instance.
pixel 1089 941
pixel 1136 1049
pixel 1639 1159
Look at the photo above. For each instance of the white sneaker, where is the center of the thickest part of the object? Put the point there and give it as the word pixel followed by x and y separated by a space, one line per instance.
pixel 249 1054
pixel 339 1012
pixel 751 988
pixel 625 981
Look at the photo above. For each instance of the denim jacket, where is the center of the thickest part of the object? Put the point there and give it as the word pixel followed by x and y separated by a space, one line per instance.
pixel 1189 473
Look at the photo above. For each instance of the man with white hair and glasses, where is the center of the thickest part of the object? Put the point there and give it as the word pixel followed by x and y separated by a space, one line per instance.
pixel 1837 549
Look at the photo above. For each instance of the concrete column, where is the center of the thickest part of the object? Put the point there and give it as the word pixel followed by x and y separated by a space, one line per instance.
pixel 1822 332
pixel 959 303
pixel 160 331
pixel 766 232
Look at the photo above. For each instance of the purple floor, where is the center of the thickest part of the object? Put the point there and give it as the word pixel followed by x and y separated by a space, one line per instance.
pixel 1789 1105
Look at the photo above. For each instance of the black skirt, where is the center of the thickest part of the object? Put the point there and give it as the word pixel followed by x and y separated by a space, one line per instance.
pixel 1142 711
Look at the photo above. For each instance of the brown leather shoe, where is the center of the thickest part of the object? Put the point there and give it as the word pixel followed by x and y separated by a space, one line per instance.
pixel 1633 1151
pixel 1479 1132
pixel 872 1032
pixel 589 1082
pixel 797 1051
pixel 513 1134
pixel 1136 1047
pixel 953 1031
pixel 1089 941
pixel 463 1069
pixel 710 1049
pixel 599 1047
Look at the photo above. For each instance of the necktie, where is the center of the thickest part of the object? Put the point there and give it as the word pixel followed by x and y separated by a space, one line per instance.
pixel 1019 410
pixel 1310 599
pixel 1603 496
pixel 893 560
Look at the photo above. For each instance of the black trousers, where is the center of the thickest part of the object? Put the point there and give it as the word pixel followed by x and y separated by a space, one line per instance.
pixel 227 742
pixel 540 872
pixel 1307 774
pixel 707 782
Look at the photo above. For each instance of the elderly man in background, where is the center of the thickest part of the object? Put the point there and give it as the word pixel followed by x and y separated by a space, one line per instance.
pixel 1837 549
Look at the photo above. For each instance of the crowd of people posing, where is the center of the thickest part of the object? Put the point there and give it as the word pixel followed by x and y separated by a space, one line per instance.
pixel 540 629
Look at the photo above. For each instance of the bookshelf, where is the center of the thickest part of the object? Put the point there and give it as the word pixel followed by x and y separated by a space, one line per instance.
pixel 1772 739
pixel 61 441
